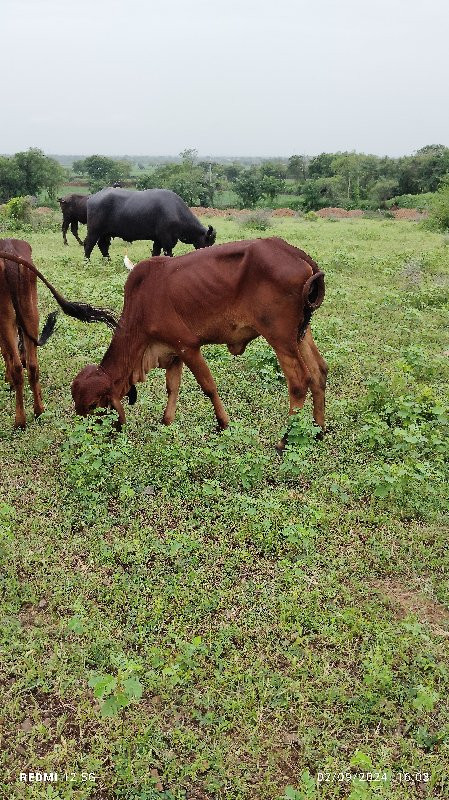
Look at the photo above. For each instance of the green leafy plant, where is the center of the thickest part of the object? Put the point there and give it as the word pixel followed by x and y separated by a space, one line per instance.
pixel 95 459
pixel 116 692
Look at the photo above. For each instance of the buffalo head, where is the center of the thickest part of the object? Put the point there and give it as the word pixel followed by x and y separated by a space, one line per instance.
pixel 207 238
pixel 93 388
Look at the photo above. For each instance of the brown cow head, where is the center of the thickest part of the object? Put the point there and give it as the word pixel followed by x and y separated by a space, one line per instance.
pixel 91 389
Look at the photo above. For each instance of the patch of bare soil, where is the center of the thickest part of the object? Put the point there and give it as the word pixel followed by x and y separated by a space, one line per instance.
pixel 283 212
pixel 407 601
pixel 411 214
pixel 201 211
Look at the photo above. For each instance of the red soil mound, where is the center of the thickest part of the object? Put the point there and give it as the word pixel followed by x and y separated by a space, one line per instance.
pixel 409 213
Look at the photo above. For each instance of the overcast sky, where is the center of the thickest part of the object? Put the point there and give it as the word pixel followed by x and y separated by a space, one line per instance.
pixel 228 77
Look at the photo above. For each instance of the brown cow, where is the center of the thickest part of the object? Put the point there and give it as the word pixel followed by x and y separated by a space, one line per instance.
pixel 19 320
pixel 228 294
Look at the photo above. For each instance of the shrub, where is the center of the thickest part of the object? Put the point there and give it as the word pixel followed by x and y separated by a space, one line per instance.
pixel 258 221
pixel 439 209
pixel 419 201
pixel 19 209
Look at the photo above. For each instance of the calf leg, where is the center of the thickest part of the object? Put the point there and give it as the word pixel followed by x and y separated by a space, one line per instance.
pixel 298 380
pixel 33 375
pixel 21 346
pixel 318 373
pixel 297 376
pixel 172 382
pixel 64 228
pixel 198 366
pixel 14 371
pixel 74 229
pixel 157 248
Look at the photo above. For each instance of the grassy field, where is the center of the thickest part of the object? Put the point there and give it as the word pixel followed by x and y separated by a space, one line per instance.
pixel 185 614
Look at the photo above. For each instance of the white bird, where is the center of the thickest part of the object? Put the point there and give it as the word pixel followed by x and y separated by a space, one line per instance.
pixel 128 263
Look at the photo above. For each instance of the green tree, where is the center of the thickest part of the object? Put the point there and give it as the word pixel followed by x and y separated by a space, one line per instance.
pixel 29 172
pixel 248 188
pixel 271 186
pixel 381 191
pixel 322 192
pixel 321 166
pixel 297 168
pixel 11 179
pixel 102 171
pixel 232 171
pixel 273 169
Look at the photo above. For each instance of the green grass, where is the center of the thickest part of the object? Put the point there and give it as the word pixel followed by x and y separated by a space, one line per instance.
pixel 278 617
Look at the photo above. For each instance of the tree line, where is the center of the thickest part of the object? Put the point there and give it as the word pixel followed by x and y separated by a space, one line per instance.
pixel 348 179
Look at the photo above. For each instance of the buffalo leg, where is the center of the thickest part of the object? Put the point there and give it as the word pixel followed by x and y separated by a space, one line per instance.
pixel 198 366
pixel 318 373
pixel 89 244
pixel 172 382
pixel 157 248
pixel 74 229
pixel 168 245
pixel 104 244
pixel 64 228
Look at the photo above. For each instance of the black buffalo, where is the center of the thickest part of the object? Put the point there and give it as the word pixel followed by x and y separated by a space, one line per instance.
pixel 156 214
pixel 74 210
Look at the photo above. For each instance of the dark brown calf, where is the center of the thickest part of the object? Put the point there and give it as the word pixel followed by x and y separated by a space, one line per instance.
pixel 19 320
pixel 74 210
pixel 228 294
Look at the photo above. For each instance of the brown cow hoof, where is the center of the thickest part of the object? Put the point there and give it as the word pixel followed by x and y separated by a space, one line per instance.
pixel 20 426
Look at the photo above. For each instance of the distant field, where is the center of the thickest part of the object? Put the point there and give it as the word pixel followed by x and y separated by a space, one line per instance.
pixel 281 616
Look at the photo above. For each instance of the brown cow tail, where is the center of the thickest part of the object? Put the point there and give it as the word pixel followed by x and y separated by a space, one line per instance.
pixel 313 296
pixel 82 311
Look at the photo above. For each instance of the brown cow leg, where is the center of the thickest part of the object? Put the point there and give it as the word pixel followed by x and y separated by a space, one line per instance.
pixel 74 229
pixel 64 228
pixel 318 373
pixel 298 380
pixel 172 382
pixel 14 371
pixel 199 367
pixel 33 375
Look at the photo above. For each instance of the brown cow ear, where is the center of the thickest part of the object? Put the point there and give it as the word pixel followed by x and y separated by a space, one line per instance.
pixel 117 406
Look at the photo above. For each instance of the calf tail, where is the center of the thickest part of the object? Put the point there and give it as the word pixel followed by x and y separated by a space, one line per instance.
pixel 312 296
pixel 81 311
pixel 48 328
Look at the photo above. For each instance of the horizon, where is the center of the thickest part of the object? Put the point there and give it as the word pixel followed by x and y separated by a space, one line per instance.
pixel 217 156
